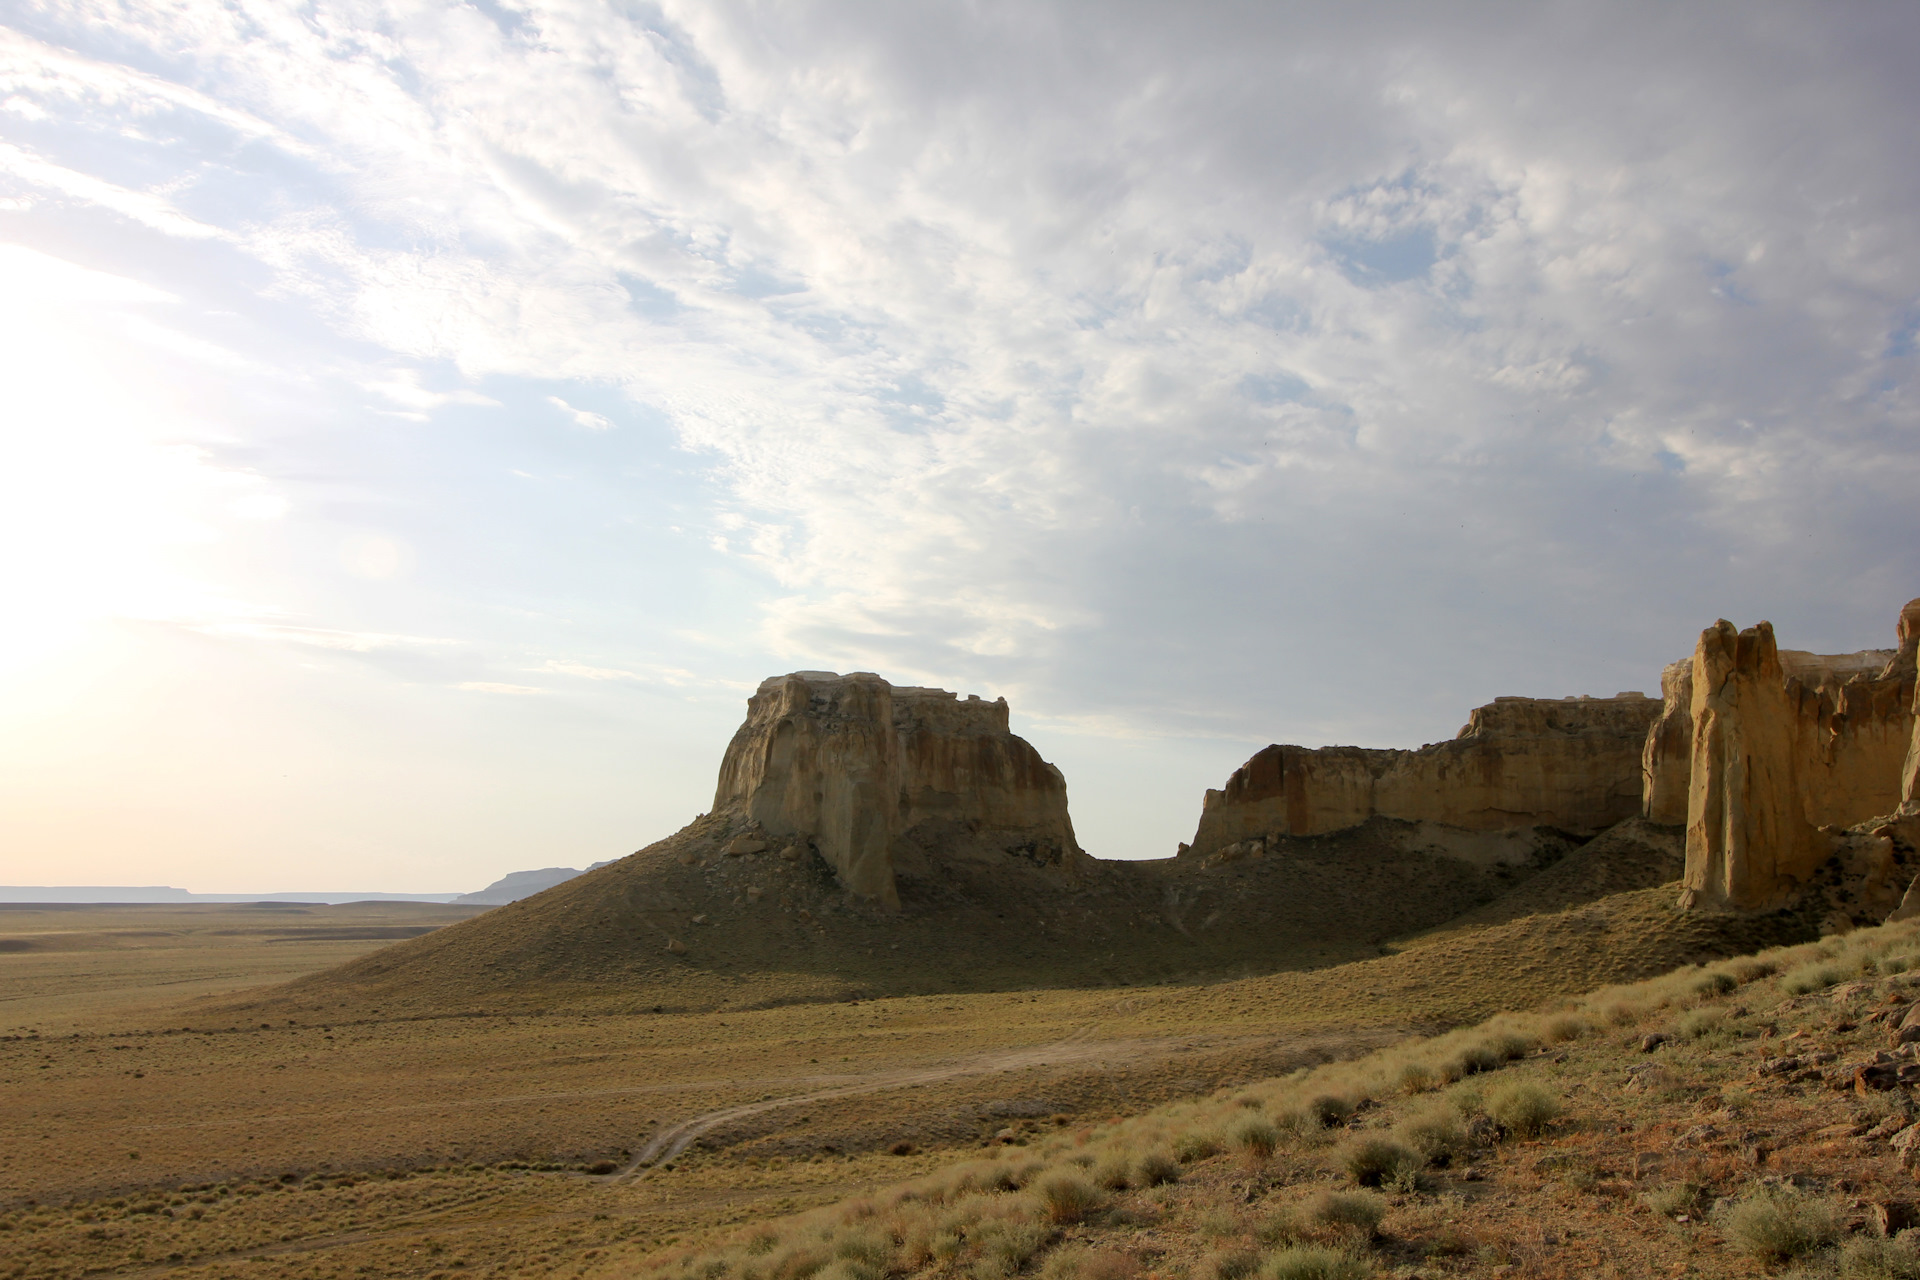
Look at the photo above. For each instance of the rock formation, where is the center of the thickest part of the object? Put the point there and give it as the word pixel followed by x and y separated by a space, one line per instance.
pixel 1572 764
pixel 879 779
pixel 1666 757
pixel 1784 748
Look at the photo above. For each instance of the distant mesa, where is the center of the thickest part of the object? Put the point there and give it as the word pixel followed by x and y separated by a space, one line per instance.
pixel 516 885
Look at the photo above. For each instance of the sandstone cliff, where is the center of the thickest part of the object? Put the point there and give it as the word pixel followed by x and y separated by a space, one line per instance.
pixel 1665 759
pixel 1782 744
pixel 1908 660
pixel 1572 763
pixel 881 779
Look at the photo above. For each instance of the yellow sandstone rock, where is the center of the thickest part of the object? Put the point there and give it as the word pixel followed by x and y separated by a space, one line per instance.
pixel 1569 763
pixel 881 778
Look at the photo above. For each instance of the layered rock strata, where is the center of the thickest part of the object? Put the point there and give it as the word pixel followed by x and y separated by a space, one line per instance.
pixel 1783 749
pixel 1572 764
pixel 875 776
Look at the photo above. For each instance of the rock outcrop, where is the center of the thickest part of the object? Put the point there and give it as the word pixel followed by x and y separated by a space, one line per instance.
pixel 1785 748
pixel 879 779
pixel 1572 764
pixel 1666 758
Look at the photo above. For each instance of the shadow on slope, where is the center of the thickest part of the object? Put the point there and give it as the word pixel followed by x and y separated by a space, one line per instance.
pixel 681 926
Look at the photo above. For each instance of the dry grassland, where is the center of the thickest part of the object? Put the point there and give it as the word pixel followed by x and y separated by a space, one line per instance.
pixel 144 1132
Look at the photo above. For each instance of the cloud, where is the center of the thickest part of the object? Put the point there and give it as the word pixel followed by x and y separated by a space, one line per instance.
pixel 320 637
pixel 487 686
pixel 142 207
pixel 1197 374
pixel 581 417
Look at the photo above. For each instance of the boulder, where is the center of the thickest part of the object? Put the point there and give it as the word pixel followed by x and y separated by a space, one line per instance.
pixel 880 777
pixel 1569 763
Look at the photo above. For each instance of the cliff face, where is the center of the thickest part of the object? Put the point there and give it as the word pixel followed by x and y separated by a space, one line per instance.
pixel 1572 763
pixel 1666 758
pixel 1783 743
pixel 876 776
pixel 1908 660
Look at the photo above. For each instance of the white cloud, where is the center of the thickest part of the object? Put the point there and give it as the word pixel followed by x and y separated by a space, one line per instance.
pixel 1177 374
pixel 581 417
pixel 488 686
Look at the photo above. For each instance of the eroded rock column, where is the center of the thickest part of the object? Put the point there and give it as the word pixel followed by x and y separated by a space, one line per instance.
pixel 1749 844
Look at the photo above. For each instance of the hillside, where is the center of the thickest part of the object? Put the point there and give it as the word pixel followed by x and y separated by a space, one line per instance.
pixel 683 926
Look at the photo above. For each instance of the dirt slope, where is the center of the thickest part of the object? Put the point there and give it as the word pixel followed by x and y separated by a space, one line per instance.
pixel 680 925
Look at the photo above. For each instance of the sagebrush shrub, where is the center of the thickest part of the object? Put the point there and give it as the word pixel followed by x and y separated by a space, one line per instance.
pixel 1195 1144
pixel 1157 1168
pixel 1311 1262
pixel 1522 1108
pixel 1372 1161
pixel 1329 1109
pixel 1229 1264
pixel 1870 1258
pixel 1434 1132
pixel 1067 1195
pixel 1256 1136
pixel 1812 977
pixel 1776 1224
pixel 1360 1210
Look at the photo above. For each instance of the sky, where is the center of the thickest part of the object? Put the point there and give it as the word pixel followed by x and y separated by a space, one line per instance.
pixel 424 424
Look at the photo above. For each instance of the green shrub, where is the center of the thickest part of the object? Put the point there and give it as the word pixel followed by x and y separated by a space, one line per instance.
pixel 1476 1058
pixel 1751 969
pixel 1434 1133
pixel 1374 1160
pixel 1157 1168
pixel 1691 1026
pixel 1328 1110
pixel 1067 1196
pixel 1522 1108
pixel 1812 977
pixel 1566 1026
pixel 1777 1224
pixel 1005 1246
pixel 1673 1198
pixel 1715 983
pixel 1870 1258
pixel 848 1269
pixel 1229 1264
pixel 1195 1144
pixel 1360 1210
pixel 1415 1077
pixel 1216 1224
pixel 1076 1262
pixel 1310 1262
pixel 1255 1136
pixel 1114 1172
pixel 1279 1227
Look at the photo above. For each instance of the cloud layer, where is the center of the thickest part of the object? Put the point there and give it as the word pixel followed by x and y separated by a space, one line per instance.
pixel 1235 373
